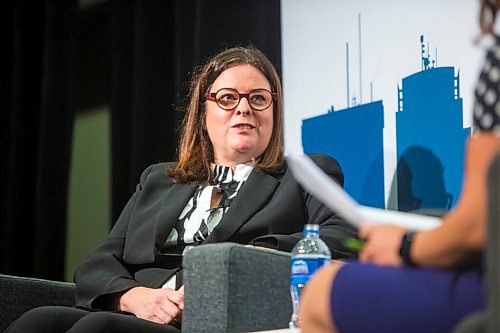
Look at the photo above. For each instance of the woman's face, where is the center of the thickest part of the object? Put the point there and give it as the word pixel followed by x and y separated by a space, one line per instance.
pixel 241 133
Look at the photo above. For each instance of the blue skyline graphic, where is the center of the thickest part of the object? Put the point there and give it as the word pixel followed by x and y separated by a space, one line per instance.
pixel 430 141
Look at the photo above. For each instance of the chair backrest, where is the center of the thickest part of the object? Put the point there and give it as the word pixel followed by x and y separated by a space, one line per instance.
pixel 493 249
pixel 20 294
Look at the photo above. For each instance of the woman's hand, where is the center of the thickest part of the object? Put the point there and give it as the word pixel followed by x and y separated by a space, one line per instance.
pixel 382 243
pixel 162 306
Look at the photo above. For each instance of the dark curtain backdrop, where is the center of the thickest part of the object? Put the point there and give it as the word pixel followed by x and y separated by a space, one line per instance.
pixel 135 56
pixel 155 45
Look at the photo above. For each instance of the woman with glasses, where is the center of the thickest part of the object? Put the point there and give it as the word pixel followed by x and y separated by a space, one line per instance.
pixel 230 184
pixel 426 281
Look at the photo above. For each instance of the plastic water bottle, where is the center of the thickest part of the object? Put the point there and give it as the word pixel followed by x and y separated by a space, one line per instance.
pixel 308 255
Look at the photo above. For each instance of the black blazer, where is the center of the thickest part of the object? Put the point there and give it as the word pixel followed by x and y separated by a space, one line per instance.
pixel 269 210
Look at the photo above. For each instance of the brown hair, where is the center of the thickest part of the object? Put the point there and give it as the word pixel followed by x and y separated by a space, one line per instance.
pixel 487 15
pixel 195 148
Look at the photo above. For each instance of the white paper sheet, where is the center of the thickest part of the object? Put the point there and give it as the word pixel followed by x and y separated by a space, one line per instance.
pixel 319 184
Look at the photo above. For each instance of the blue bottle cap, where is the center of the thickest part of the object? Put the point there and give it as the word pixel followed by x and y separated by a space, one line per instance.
pixel 311 228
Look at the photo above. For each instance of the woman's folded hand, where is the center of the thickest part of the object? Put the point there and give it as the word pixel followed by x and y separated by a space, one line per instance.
pixel 162 306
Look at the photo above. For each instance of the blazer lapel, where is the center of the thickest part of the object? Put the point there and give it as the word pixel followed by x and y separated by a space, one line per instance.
pixel 174 202
pixel 252 196
pixel 154 229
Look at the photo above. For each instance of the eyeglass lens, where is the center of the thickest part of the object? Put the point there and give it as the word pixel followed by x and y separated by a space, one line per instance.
pixel 259 99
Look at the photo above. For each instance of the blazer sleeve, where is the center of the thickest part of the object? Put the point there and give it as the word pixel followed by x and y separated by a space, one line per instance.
pixel 103 277
pixel 333 229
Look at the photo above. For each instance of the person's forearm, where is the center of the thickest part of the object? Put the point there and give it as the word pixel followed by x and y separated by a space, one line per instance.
pixel 445 247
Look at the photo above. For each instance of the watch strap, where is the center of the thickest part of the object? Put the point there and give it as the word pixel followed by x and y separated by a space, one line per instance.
pixel 404 250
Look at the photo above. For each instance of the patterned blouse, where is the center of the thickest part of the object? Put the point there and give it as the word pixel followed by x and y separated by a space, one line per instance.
pixel 206 208
pixel 487 104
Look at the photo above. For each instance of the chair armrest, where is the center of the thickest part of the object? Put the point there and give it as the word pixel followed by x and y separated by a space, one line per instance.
pixel 20 294
pixel 234 288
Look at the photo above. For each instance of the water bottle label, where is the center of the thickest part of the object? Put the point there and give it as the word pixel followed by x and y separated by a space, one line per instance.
pixel 303 268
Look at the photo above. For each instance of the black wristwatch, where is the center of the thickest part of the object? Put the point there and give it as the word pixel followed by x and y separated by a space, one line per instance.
pixel 404 250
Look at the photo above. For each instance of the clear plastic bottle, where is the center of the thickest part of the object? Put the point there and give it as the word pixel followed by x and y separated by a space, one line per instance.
pixel 309 254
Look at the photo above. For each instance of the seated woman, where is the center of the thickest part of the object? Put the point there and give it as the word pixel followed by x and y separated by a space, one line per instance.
pixel 230 185
pixel 429 280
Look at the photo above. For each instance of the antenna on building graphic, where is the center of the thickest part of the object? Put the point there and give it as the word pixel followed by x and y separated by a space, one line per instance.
pixel 360 67
pixel 347 70
pixel 426 59
pixel 354 101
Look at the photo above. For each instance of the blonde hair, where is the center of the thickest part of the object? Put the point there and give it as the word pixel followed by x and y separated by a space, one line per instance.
pixel 195 152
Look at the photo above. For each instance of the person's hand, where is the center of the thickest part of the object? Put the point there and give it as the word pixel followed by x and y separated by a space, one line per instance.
pixel 382 243
pixel 162 306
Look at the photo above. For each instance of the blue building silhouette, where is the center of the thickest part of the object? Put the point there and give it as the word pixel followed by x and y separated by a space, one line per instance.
pixel 354 136
pixel 430 139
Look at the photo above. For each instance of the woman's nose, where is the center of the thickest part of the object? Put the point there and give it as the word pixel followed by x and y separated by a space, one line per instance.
pixel 243 107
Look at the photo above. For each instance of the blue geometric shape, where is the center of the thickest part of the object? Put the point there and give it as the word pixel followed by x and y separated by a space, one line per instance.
pixel 430 139
pixel 354 136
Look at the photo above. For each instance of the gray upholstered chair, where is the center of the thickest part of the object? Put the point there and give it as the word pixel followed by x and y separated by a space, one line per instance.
pixel 234 288
pixel 20 294
pixel 229 288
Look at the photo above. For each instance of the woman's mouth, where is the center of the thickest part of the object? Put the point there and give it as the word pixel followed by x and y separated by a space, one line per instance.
pixel 244 126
